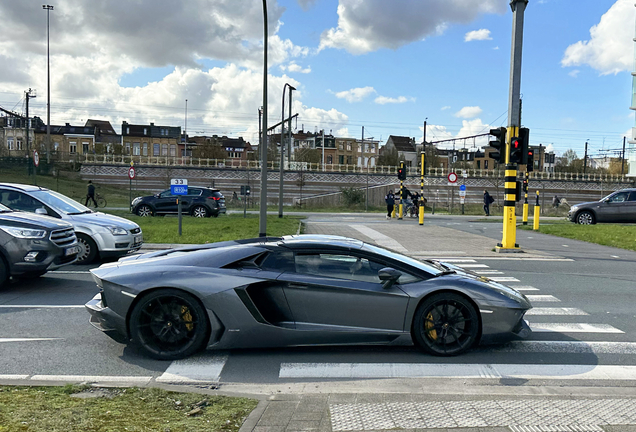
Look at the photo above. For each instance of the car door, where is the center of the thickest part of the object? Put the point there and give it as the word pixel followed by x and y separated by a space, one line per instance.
pixel 166 202
pixel 193 196
pixel 342 291
pixel 629 208
pixel 613 208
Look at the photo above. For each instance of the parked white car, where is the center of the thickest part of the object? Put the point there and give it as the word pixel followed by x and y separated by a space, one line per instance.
pixel 99 235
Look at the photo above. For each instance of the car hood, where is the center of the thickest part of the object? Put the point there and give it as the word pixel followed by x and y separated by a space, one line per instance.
pixel 32 220
pixel 586 204
pixel 103 219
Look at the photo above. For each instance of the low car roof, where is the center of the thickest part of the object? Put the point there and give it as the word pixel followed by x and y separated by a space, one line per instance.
pixel 23 187
pixel 317 240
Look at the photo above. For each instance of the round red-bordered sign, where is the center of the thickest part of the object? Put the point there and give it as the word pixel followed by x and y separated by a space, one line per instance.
pixel 36 158
pixel 131 173
pixel 452 177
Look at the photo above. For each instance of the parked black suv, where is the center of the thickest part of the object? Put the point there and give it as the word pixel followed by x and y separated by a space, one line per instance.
pixel 31 244
pixel 199 202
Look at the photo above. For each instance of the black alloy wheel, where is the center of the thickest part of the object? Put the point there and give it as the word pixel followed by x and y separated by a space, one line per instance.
pixel 200 212
pixel 169 324
pixel 87 249
pixel 445 324
pixel 144 210
pixel 585 218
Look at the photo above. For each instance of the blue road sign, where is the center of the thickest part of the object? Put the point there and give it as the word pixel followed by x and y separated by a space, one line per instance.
pixel 462 187
pixel 179 189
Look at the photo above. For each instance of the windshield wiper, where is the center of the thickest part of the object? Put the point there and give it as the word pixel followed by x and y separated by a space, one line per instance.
pixel 79 213
pixel 445 272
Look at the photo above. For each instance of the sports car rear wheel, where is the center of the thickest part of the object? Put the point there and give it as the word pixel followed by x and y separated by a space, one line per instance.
pixel 445 324
pixel 169 324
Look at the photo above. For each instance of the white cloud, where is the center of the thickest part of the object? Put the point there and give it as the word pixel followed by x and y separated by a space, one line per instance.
pixel 481 34
pixel 444 108
pixel 468 112
pixel 469 128
pixel 549 148
pixel 610 48
pixel 293 67
pixel 382 100
pixel 574 73
pixel 369 25
pixel 496 48
pixel 306 4
pixel 355 94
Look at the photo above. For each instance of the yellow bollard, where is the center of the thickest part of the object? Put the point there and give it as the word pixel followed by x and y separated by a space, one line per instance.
pixel 393 213
pixel 537 212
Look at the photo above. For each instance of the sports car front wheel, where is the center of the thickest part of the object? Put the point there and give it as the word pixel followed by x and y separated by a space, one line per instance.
pixel 445 324
pixel 169 324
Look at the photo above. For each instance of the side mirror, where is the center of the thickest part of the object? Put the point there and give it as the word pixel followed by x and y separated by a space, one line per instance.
pixel 156 195
pixel 41 211
pixel 388 276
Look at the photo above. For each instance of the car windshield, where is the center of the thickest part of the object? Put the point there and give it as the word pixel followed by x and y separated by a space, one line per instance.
pixel 60 202
pixel 427 267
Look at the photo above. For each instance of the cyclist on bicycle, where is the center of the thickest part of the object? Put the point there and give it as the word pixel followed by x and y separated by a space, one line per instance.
pixel 90 194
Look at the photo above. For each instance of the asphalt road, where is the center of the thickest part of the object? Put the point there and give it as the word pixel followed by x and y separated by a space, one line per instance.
pixel 585 303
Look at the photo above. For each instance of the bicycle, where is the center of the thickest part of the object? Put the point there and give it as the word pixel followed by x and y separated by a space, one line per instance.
pixel 101 201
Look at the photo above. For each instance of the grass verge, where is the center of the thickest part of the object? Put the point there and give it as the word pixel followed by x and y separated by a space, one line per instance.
pixel 57 409
pixel 160 229
pixel 615 235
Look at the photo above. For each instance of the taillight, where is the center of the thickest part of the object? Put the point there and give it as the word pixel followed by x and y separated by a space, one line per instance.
pixel 214 198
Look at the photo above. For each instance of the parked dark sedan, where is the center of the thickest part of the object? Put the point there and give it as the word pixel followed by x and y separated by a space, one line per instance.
pixel 299 290
pixel 619 206
pixel 199 202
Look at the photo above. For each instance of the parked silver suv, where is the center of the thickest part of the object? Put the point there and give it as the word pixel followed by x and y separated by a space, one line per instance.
pixel 98 234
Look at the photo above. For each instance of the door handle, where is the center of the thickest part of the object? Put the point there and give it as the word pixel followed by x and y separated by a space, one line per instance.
pixel 298 286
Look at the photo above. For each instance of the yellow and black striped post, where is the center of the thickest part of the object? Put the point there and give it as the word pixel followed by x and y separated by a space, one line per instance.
pixel 422 174
pixel 400 202
pixel 508 241
pixel 537 213
pixel 525 202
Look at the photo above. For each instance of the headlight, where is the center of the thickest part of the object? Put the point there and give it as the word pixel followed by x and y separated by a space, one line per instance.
pixel 25 233
pixel 117 230
pixel 507 292
pixel 573 209
pixel 136 200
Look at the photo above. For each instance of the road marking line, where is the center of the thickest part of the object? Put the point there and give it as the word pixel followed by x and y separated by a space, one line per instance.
pixel 524 288
pixel 4 340
pixel 573 328
pixel 504 279
pixel 194 370
pixel 379 238
pixel 472 265
pixel 13 377
pixel 487 272
pixel 568 347
pixel 484 371
pixel 455 260
pixel 542 298
pixel 93 378
pixel 42 306
pixel 556 311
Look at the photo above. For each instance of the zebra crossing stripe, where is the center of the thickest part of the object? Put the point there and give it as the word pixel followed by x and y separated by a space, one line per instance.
pixel 573 328
pixel 504 279
pixel 542 298
pixel 556 311
pixel 487 272
pixel 483 371
pixel 200 369
pixel 457 260
pixel 524 288
pixel 472 265
pixel 567 347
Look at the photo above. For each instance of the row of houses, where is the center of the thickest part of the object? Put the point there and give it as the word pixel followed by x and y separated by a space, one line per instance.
pixel 150 140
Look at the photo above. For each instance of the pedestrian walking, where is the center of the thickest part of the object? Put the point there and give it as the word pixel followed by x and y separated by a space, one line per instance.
pixel 487 201
pixel 556 202
pixel 90 193
pixel 390 203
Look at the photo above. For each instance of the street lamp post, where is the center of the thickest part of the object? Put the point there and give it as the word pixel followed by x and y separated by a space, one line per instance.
pixel 262 225
pixel 282 147
pixel 48 9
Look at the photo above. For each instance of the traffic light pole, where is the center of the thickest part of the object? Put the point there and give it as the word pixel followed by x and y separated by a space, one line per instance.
pixel 401 187
pixel 422 174
pixel 525 202
pixel 508 241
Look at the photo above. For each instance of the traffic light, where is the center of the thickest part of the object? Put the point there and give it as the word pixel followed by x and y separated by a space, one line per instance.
pixel 499 144
pixel 525 186
pixel 401 172
pixel 524 139
pixel 530 161
pixel 516 154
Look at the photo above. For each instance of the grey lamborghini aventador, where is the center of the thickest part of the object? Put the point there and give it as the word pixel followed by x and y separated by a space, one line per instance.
pixel 299 290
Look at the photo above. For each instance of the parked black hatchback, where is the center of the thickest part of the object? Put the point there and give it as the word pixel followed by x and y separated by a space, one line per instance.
pixel 199 202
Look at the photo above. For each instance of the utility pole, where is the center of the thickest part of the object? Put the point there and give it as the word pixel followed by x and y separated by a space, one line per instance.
pixel 585 159
pixel 623 157
pixel 262 222
pixel 323 149
pixel 48 8
pixel 30 166
pixel 366 204
pixel 185 131
pixel 508 242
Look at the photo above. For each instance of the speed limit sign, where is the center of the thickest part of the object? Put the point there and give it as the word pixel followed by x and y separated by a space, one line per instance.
pixel 452 177
pixel 131 173
pixel 36 158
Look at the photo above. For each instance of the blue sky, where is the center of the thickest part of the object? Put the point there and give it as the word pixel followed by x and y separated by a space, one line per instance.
pixel 384 65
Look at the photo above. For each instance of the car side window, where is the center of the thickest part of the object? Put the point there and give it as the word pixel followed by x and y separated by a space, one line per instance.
pixel 619 197
pixel 632 196
pixel 194 192
pixel 21 201
pixel 278 261
pixel 165 194
pixel 342 266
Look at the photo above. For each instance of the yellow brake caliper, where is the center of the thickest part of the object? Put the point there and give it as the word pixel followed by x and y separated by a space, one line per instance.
pixel 429 326
pixel 185 314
